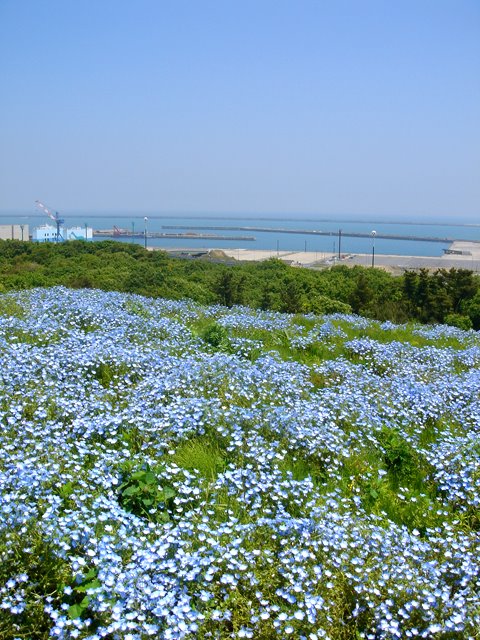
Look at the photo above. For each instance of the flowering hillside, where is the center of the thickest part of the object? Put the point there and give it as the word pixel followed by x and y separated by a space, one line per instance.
pixel 175 471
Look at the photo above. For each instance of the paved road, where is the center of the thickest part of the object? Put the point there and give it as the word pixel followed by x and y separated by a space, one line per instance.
pixel 470 259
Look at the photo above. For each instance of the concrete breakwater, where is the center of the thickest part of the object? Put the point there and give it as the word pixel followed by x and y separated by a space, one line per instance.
pixel 313 232
pixel 125 233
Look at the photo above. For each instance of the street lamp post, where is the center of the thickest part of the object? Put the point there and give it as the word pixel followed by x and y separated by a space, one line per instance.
pixel 145 232
pixel 374 233
pixel 21 227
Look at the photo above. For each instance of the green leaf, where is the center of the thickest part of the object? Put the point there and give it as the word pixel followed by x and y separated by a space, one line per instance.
pixel 166 493
pixel 150 478
pixel 92 584
pixel 91 573
pixel 138 475
pixel 163 517
pixel 66 490
pixel 76 610
pixel 132 490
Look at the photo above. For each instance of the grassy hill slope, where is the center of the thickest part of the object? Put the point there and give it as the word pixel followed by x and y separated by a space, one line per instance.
pixel 170 470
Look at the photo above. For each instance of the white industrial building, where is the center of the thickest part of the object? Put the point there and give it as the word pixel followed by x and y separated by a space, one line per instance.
pixel 48 233
pixel 79 233
pixel 14 232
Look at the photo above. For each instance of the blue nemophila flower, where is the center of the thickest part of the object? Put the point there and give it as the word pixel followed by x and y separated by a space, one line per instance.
pixel 274 471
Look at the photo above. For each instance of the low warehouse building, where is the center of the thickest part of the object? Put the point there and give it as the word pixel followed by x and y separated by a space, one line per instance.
pixel 14 232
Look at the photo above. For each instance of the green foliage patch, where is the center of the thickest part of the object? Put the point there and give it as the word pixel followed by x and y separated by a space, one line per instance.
pixel 142 493
pixel 444 296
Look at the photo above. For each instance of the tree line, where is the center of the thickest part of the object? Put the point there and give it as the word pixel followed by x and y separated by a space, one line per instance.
pixel 444 296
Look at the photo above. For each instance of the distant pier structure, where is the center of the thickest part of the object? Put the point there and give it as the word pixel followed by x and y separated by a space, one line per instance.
pixel 117 232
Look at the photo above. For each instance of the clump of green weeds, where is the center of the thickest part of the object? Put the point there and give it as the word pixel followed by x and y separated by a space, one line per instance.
pixel 215 335
pixel 202 455
pixel 77 593
pixel 404 506
pixel 142 493
pixel 65 491
pixel 403 463
pixel 303 466
pixel 394 482
pixel 109 373
pixel 11 308
pixel 137 308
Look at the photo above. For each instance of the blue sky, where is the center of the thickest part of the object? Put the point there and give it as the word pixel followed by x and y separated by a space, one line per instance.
pixel 301 107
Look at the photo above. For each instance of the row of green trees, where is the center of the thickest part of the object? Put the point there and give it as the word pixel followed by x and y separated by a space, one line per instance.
pixel 451 296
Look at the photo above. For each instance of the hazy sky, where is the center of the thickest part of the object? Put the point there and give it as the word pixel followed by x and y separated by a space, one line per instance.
pixel 309 107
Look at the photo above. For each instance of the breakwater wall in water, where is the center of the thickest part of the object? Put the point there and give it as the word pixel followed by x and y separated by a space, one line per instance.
pixel 124 233
pixel 314 232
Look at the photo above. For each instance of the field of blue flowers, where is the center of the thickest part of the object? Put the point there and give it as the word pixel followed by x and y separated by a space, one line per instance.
pixel 175 471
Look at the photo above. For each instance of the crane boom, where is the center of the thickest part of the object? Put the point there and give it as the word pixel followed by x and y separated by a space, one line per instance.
pixel 45 209
pixel 54 216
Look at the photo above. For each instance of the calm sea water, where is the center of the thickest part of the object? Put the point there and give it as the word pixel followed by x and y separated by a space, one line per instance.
pixel 271 239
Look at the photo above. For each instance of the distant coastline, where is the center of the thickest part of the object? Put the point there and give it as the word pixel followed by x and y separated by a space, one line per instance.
pixel 323 234
pixel 263 218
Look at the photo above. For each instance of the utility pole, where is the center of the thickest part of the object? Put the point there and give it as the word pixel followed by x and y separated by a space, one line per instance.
pixel 339 242
pixel 374 233
pixel 145 232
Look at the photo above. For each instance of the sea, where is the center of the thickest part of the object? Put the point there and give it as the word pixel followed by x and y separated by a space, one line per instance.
pixel 274 233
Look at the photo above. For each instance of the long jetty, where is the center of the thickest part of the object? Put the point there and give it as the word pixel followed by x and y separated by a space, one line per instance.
pixel 313 232
pixel 125 233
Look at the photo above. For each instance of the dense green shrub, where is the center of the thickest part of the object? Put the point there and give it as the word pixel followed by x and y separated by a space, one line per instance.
pixel 270 285
pixel 459 320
